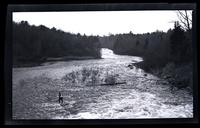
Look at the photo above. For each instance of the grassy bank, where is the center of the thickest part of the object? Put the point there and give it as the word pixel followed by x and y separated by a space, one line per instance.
pixel 178 75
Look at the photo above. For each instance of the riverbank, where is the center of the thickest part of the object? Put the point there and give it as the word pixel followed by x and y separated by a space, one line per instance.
pixel 51 60
pixel 178 75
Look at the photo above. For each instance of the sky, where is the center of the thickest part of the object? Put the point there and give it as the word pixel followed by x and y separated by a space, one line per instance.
pixel 101 22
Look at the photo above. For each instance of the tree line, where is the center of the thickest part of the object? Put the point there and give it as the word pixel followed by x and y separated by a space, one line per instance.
pixel 37 43
pixel 157 48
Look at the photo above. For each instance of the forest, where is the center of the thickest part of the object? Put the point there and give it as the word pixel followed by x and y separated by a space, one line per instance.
pixel 35 44
pixel 165 54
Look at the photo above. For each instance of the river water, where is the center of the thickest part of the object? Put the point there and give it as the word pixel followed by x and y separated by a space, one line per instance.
pixel 141 97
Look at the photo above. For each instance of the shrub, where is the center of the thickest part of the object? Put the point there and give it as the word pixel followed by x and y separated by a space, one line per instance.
pixel 71 77
pixel 95 75
pixel 90 75
pixel 110 78
pixel 168 70
pixel 86 75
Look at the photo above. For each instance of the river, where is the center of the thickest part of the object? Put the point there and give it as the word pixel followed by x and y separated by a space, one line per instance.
pixel 35 92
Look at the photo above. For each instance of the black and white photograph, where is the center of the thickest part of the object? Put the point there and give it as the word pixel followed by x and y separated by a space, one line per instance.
pixel 126 64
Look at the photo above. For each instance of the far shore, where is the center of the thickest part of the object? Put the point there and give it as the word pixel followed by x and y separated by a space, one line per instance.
pixel 71 58
pixel 52 59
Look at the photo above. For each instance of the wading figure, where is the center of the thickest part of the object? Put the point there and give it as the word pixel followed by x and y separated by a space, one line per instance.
pixel 60 99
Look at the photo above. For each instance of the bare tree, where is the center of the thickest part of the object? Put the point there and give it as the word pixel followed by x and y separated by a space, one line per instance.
pixel 185 18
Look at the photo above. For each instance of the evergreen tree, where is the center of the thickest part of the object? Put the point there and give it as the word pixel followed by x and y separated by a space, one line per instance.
pixel 178 46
